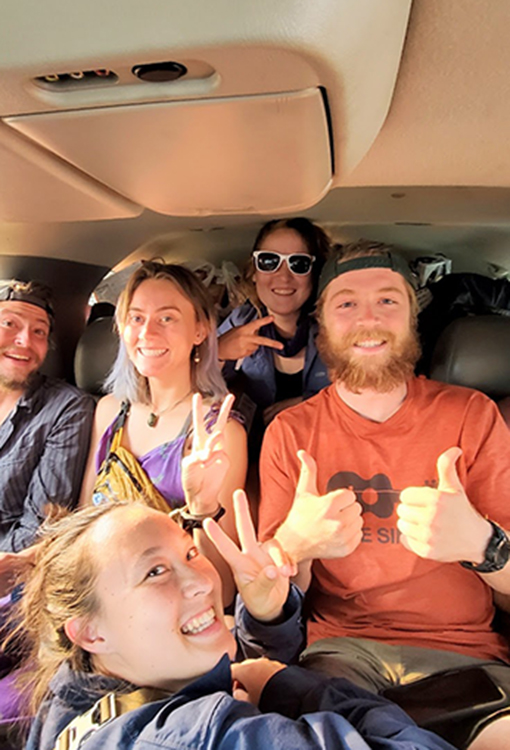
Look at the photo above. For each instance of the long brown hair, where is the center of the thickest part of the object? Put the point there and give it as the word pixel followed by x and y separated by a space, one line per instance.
pixel 58 587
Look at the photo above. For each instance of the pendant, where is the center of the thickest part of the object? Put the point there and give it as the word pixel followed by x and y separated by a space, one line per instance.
pixel 152 419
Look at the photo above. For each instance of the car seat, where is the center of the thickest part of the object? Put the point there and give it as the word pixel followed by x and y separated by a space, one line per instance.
pixel 95 355
pixel 475 352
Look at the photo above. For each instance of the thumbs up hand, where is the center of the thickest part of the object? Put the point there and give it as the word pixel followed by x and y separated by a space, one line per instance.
pixel 320 526
pixel 441 524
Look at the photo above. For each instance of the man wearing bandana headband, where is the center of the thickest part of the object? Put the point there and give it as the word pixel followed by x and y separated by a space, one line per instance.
pixel 392 492
pixel 44 426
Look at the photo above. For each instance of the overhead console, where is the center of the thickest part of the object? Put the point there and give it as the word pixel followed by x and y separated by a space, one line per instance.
pixel 190 109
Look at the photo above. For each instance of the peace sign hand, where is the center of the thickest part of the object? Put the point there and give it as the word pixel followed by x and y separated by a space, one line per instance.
pixel 205 467
pixel 243 341
pixel 261 571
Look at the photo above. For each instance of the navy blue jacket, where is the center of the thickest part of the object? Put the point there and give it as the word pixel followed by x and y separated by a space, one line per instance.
pixel 259 368
pixel 299 710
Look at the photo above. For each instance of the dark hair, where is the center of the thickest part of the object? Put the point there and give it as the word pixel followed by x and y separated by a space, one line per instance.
pixel 315 238
pixel 33 292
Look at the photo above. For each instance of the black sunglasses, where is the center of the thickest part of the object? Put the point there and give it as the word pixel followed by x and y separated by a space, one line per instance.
pixel 268 261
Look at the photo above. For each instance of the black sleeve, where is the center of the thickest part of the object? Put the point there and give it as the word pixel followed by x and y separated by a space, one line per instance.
pixel 283 641
pixel 295 692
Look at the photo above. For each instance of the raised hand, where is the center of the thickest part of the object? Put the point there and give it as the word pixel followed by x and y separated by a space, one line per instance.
pixel 441 524
pixel 320 526
pixel 251 676
pixel 244 340
pixel 205 467
pixel 261 573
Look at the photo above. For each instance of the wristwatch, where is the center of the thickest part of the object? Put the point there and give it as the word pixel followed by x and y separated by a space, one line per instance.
pixel 497 552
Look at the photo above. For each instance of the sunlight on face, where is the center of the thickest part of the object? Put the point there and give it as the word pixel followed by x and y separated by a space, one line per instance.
pixel 160 621
pixel 161 328
pixel 24 334
pixel 282 292
pixel 367 337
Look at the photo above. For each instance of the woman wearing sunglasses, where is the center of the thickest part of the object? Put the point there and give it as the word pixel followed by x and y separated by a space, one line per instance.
pixel 268 343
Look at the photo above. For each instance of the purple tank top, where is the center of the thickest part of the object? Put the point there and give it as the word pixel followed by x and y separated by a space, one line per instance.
pixel 162 464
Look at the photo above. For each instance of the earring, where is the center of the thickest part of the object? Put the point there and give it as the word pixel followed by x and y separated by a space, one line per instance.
pixel 196 355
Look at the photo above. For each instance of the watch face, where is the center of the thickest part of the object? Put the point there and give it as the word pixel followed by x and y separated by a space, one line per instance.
pixel 497 553
pixel 502 549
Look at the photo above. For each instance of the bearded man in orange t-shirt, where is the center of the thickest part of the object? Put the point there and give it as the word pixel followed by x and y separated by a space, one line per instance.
pixel 392 493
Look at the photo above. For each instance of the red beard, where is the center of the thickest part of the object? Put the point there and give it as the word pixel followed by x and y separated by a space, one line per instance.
pixel 377 373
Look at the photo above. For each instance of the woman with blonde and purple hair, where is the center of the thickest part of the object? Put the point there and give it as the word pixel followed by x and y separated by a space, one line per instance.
pixel 167 353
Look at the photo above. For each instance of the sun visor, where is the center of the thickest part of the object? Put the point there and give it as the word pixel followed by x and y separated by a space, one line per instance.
pixel 37 186
pixel 200 108
pixel 212 156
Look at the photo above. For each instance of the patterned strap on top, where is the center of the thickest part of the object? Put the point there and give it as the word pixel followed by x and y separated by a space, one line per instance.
pixel 115 438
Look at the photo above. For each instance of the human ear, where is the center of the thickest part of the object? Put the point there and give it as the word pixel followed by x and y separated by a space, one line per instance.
pixel 84 633
pixel 201 333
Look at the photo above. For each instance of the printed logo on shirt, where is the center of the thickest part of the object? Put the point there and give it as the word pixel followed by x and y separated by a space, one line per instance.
pixel 375 495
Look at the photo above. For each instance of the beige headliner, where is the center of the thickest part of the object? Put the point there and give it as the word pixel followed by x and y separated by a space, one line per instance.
pixel 437 159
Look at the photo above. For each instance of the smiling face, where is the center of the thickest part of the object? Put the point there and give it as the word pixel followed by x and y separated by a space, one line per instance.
pixel 161 328
pixel 160 616
pixel 282 292
pixel 367 338
pixel 24 334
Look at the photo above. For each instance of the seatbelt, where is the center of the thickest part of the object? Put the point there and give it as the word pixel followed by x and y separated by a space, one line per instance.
pixel 107 708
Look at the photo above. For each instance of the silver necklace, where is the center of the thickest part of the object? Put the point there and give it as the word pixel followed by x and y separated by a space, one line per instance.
pixel 153 418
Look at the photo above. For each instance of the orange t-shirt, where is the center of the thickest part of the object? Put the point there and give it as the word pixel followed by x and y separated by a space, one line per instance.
pixel 382 591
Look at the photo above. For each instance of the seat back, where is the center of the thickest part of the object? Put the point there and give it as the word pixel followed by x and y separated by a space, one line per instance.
pixel 95 355
pixel 475 352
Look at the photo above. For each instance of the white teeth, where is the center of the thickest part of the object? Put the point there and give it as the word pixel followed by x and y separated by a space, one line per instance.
pixel 152 352
pixel 19 356
pixel 369 344
pixel 285 292
pixel 197 624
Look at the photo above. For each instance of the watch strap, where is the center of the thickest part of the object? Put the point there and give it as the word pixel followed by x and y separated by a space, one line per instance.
pixel 497 552
pixel 191 521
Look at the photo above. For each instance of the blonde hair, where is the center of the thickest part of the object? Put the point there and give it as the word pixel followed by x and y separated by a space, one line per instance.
pixel 59 587
pixel 124 381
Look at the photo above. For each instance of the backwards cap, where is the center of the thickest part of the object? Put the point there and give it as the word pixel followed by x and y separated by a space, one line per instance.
pixel 32 292
pixel 336 266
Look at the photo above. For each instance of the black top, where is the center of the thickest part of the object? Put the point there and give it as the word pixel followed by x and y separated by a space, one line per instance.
pixel 288 386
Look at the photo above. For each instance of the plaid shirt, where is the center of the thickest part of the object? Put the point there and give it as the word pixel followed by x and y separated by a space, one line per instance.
pixel 43 448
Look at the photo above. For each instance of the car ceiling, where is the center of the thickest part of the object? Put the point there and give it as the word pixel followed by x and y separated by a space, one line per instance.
pixel 378 118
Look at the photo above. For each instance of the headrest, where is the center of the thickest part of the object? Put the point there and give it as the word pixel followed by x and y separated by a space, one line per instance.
pixel 95 355
pixel 475 352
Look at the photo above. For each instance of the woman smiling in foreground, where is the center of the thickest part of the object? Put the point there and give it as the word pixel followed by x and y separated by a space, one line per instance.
pixel 121 599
